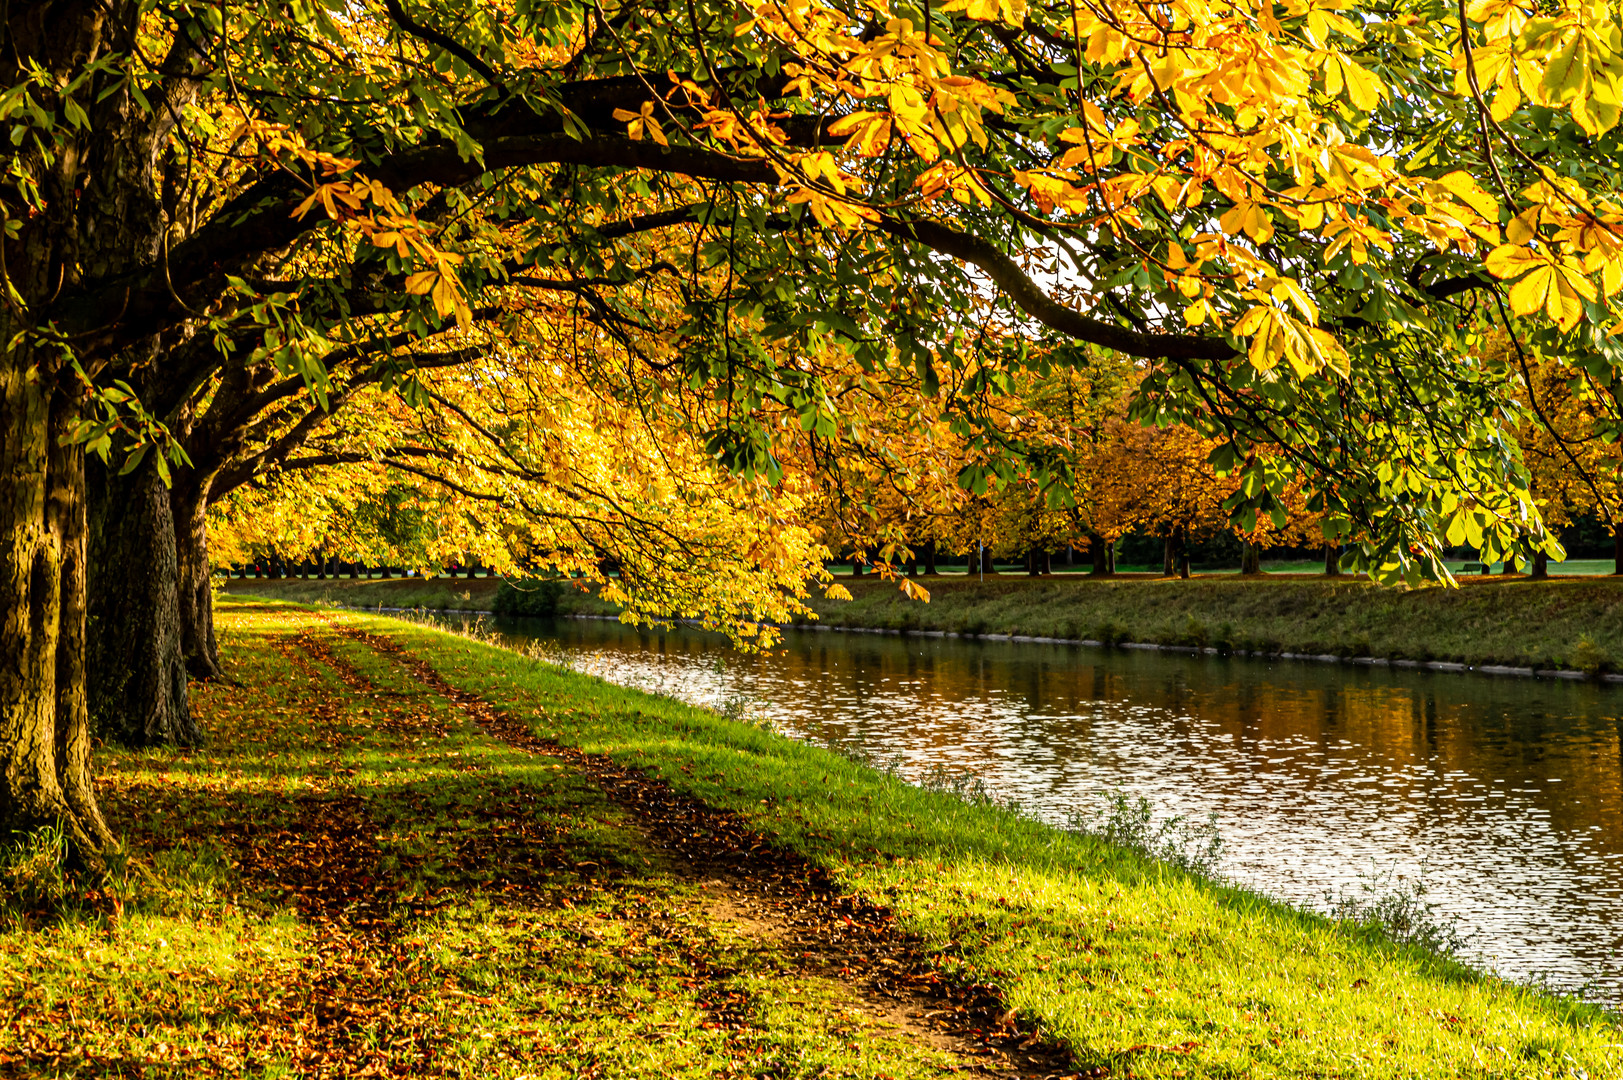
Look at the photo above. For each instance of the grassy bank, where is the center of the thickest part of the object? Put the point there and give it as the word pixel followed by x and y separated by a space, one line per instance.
pixel 1565 622
pixel 404 853
pixel 1560 623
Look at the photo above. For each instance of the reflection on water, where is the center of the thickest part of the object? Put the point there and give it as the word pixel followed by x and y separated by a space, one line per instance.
pixel 1506 793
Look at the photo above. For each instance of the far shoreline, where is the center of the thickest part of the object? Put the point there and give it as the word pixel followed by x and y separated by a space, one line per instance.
pixel 1567 628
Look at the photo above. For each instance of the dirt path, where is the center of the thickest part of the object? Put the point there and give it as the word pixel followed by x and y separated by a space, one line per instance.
pixel 776 897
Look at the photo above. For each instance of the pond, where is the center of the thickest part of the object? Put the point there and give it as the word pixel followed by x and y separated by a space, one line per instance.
pixel 1503 795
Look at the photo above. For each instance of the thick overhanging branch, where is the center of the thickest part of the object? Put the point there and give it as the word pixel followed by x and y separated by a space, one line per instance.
pixel 1027 295
pixel 260 220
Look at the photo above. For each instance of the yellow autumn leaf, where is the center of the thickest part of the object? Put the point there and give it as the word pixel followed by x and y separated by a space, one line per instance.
pixel 1512 260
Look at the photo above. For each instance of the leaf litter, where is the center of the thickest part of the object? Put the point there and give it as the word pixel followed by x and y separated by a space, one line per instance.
pixel 462 907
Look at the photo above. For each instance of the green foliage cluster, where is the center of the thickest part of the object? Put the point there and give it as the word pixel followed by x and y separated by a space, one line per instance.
pixel 536 597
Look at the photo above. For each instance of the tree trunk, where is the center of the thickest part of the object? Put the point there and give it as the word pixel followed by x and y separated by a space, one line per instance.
pixel 1250 558
pixel 354 570
pixel 198 648
pixel 45 775
pixel 1510 564
pixel 856 563
pixel 1099 556
pixel 137 669
pixel 1168 554
pixel 1034 562
pixel 1110 557
pixel 1617 549
pixel 1541 566
pixel 1183 554
pixel 988 564
pixel 1332 560
pixel 929 558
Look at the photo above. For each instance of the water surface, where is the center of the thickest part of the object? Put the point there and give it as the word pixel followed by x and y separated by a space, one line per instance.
pixel 1505 795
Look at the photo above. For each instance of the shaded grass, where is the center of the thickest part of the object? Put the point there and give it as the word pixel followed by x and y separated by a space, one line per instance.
pixel 1484 621
pixel 351 879
pixel 1137 967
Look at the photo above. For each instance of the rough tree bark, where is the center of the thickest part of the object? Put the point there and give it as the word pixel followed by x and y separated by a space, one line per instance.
pixel 45 777
pixel 97 214
pixel 137 686
pixel 1541 566
pixel 1250 558
pixel 199 650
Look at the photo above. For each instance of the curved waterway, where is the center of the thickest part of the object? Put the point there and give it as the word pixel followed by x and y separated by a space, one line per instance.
pixel 1505 796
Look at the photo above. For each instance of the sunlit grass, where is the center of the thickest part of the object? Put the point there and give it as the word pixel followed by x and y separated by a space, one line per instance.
pixel 1133 965
pixel 529 929
pixel 1561 623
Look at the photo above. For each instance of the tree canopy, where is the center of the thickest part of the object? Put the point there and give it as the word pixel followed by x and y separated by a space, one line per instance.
pixel 762 231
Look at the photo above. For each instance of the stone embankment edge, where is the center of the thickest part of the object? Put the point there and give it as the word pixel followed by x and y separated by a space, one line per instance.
pixel 1190 650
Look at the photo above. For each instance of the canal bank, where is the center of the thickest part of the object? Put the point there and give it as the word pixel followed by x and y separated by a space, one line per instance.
pixel 1567 627
pixel 1134 968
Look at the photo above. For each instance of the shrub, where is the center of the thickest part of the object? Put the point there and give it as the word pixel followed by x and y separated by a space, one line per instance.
pixel 1128 822
pixel 1588 657
pixel 1194 633
pixel 1110 632
pixel 537 597
pixel 1396 908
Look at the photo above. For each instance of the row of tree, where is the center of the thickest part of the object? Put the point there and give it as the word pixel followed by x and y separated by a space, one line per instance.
pixel 693 289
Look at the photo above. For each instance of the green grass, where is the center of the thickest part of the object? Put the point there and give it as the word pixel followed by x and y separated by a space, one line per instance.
pixel 1573 622
pixel 1491 620
pixel 1132 965
pixel 361 882
pixel 353 878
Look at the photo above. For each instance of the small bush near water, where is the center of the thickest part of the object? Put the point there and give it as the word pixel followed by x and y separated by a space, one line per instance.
pixel 1396 907
pixel 1130 823
pixel 535 597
